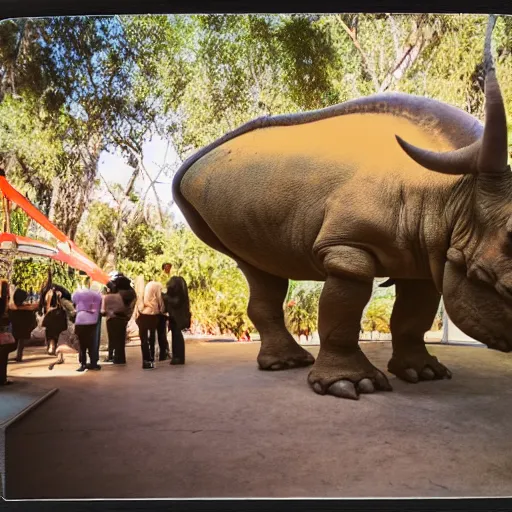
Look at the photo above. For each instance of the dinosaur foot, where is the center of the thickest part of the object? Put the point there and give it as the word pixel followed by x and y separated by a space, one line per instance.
pixel 413 367
pixel 294 356
pixel 346 376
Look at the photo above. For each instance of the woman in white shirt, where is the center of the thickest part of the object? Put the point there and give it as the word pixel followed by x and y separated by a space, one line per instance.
pixel 150 304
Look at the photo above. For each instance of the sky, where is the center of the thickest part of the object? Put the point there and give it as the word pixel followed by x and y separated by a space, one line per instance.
pixel 156 154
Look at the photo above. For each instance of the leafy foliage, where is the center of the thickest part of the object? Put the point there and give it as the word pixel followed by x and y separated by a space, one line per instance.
pixel 218 291
pixel 301 310
pixel 378 314
pixel 29 273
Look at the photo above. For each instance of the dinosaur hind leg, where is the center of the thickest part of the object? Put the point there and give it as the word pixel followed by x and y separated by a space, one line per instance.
pixel 279 351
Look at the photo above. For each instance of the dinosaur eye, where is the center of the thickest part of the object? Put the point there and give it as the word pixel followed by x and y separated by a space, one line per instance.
pixel 507 245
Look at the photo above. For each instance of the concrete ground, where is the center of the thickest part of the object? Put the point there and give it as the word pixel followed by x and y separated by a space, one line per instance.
pixel 218 427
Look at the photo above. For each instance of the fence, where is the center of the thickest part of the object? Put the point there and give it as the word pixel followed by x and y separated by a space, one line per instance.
pixel 430 336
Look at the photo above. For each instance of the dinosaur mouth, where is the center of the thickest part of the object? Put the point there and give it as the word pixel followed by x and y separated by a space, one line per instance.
pixel 480 275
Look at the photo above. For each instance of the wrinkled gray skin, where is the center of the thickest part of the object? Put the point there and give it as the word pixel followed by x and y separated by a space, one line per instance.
pixel 339 195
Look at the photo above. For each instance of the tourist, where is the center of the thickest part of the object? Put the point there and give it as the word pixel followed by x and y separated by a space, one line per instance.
pixel 111 305
pixel 88 305
pixel 99 288
pixel 126 291
pixel 23 319
pixel 65 301
pixel 118 308
pixel 55 319
pixel 124 288
pixel 163 320
pixel 178 308
pixel 165 275
pixel 149 306
pixel 7 341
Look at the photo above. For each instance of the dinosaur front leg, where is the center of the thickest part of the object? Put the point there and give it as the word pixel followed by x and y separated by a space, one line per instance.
pixel 341 368
pixel 279 351
pixel 413 314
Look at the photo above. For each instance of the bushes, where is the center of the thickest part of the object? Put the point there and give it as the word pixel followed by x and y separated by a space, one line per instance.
pixel 219 293
pixel 301 309
pixel 32 273
pixel 218 290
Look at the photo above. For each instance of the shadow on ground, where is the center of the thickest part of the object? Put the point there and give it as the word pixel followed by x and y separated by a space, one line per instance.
pixel 218 427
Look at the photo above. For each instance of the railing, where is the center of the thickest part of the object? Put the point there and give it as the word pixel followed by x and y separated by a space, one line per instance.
pixel 430 336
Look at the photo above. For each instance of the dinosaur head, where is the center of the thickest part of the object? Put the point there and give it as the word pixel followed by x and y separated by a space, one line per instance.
pixel 477 282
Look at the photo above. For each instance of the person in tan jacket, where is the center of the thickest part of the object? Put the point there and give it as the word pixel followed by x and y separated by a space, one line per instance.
pixel 150 306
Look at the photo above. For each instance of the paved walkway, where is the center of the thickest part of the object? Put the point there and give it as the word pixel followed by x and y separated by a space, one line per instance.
pixel 218 427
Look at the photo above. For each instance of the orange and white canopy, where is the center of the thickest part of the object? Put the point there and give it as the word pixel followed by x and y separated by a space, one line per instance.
pixel 66 251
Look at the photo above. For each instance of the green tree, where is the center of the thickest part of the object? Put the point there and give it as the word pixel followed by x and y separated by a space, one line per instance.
pixel 301 308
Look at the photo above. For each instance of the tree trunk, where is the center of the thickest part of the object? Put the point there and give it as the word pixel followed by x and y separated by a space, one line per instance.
pixel 73 189
pixel 9 75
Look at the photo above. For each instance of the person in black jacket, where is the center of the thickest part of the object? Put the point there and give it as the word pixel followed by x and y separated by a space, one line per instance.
pixel 55 319
pixel 23 320
pixel 178 307
pixel 118 306
pixel 7 341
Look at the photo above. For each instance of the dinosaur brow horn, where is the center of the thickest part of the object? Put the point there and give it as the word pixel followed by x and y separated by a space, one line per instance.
pixel 460 161
pixel 486 155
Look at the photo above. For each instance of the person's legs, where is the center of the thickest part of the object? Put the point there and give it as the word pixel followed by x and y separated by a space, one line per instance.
pixel 151 342
pixel 81 335
pixel 152 337
pixel 52 346
pixel 19 351
pixel 178 344
pixel 97 338
pixel 119 328
pixel 60 360
pixel 4 356
pixel 121 349
pixel 93 346
pixel 142 323
pixel 163 342
pixel 111 331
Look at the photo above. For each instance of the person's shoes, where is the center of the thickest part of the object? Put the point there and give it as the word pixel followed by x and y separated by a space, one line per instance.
pixel 120 363
pixel 108 360
pixel 165 357
pixel 82 368
pixel 175 361
pixel 7 383
pixel 148 365
pixel 52 348
pixel 93 367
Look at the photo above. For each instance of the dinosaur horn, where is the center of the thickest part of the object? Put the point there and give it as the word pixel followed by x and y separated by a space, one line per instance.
pixel 493 154
pixel 489 153
pixel 460 161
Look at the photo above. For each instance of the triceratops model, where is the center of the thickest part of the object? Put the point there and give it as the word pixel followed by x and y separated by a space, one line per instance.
pixel 338 195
